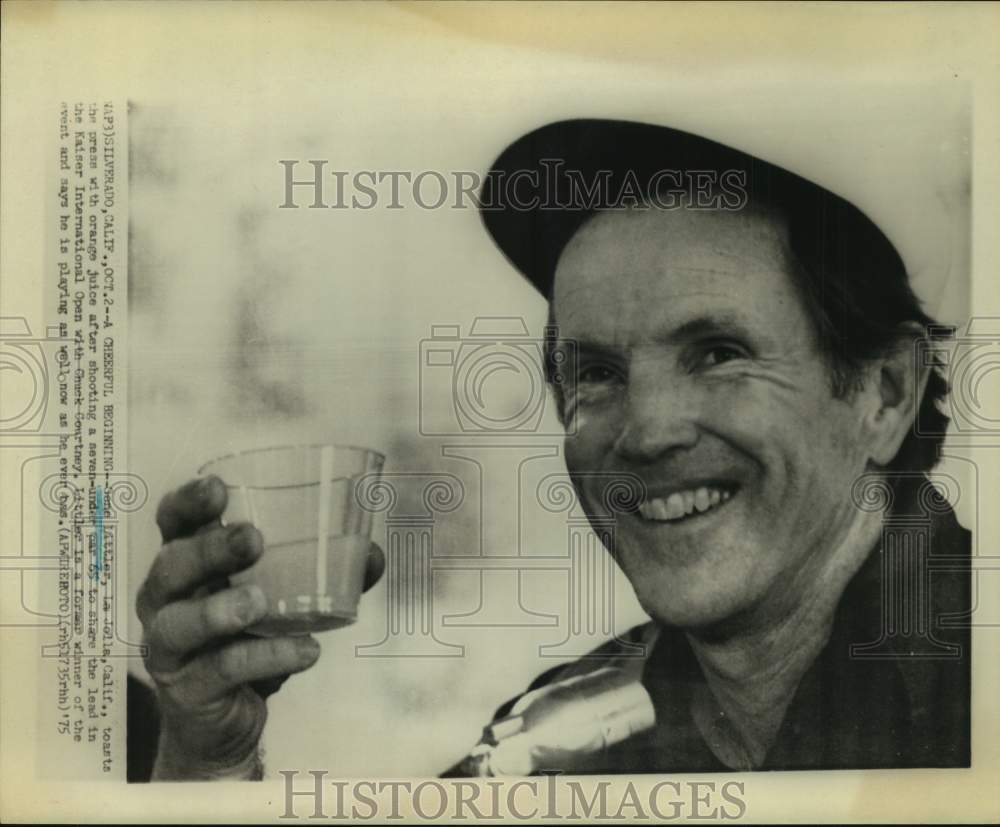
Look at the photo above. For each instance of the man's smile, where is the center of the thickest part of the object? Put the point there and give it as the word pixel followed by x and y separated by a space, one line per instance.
pixel 685 504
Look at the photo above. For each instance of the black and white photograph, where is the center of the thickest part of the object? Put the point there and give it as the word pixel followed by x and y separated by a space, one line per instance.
pixel 491 411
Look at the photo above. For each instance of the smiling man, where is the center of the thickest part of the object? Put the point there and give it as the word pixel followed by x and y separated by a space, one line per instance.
pixel 733 345
pixel 747 365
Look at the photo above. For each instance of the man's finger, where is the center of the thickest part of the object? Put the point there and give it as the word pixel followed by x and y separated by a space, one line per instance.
pixel 267 687
pixel 215 674
pixel 375 566
pixel 185 564
pixel 185 626
pixel 193 504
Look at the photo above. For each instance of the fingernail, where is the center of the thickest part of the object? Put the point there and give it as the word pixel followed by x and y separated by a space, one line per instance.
pixel 243 540
pixel 251 604
pixel 308 646
pixel 203 488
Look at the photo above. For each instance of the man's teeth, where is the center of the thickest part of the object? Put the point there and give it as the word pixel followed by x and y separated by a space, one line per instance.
pixel 683 503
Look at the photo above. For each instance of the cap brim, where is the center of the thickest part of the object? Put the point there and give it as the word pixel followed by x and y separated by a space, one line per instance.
pixel 546 184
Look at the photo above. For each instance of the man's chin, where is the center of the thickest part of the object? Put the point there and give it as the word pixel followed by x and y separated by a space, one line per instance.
pixel 691 616
pixel 691 581
pixel 673 598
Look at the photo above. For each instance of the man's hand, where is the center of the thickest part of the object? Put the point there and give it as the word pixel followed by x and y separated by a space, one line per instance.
pixel 212 678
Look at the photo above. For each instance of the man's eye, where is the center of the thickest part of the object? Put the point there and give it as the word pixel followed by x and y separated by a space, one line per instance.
pixel 598 375
pixel 720 353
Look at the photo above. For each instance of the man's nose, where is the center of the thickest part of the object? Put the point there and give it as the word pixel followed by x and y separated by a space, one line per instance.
pixel 659 417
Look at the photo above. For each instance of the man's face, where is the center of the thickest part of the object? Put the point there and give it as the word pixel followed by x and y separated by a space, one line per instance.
pixel 699 372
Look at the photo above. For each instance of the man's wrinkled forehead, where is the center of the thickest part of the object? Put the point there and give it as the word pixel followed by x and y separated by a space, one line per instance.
pixel 617 253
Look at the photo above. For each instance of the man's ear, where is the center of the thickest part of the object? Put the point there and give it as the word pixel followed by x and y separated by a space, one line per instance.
pixel 899 381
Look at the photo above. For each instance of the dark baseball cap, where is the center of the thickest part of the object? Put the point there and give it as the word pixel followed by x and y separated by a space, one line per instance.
pixel 547 183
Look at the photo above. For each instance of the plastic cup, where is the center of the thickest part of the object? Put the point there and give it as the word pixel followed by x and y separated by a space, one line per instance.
pixel 316 534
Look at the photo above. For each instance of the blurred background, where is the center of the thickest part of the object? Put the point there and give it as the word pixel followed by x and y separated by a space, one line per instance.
pixel 252 325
